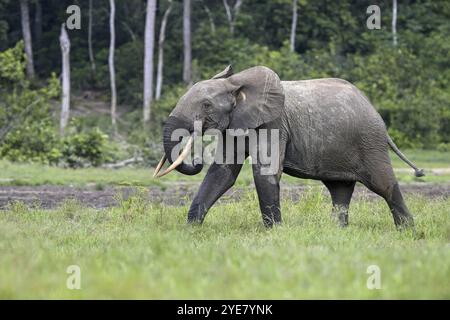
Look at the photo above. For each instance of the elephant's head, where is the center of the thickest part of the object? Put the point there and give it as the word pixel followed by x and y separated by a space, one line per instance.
pixel 245 100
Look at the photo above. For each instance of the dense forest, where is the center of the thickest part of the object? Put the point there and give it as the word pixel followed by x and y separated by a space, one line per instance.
pixel 164 46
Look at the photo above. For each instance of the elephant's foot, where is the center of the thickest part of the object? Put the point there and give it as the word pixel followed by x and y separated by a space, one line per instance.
pixel 404 223
pixel 271 216
pixel 194 222
pixel 196 214
pixel 341 217
pixel 270 223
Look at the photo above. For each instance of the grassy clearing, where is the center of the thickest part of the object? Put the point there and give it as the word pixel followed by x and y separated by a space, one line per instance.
pixel 35 174
pixel 423 159
pixel 144 250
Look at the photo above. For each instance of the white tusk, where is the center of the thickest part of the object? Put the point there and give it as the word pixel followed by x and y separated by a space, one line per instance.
pixel 160 164
pixel 181 157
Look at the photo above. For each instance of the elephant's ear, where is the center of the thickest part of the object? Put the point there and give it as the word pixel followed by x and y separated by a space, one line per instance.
pixel 259 97
pixel 228 71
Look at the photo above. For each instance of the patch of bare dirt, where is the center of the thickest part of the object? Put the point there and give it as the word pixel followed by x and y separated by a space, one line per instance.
pixel 51 196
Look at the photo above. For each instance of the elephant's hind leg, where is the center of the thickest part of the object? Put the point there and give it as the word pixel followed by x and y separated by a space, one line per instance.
pixel 382 181
pixel 402 217
pixel 341 194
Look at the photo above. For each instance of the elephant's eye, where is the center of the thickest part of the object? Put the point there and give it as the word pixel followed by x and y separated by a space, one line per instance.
pixel 207 105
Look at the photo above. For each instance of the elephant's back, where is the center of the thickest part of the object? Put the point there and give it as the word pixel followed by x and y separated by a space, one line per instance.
pixel 326 93
pixel 328 101
pixel 331 123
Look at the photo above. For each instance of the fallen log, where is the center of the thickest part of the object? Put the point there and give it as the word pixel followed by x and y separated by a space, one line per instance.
pixel 123 163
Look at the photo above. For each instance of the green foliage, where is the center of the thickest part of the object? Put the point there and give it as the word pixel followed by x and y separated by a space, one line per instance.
pixel 410 97
pixel 80 149
pixel 443 147
pixel 36 142
pixel 28 130
pixel 12 65
pixel 409 84
pixel 401 139
pixel 147 141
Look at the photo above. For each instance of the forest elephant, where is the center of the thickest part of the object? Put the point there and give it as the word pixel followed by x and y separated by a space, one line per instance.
pixel 326 130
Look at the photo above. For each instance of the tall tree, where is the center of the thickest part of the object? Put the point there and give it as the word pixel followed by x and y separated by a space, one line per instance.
pixel 91 53
pixel 294 24
pixel 112 72
pixel 161 40
pixel 232 13
pixel 65 104
pixel 25 19
pixel 148 59
pixel 187 62
pixel 394 22
pixel 210 18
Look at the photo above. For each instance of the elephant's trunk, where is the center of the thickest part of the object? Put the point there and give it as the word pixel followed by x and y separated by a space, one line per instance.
pixel 172 124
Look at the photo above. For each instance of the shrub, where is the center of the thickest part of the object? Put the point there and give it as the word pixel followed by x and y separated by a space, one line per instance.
pixel 27 132
pixel 82 149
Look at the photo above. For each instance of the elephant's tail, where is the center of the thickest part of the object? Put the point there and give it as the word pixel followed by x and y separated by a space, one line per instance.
pixel 417 172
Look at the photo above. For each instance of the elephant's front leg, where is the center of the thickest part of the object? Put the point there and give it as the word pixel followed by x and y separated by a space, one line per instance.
pixel 267 171
pixel 268 189
pixel 218 180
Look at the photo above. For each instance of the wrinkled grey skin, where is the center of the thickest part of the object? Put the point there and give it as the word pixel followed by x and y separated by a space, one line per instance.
pixel 329 131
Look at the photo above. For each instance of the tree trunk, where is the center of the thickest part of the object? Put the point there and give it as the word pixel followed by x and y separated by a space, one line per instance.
pixel 162 38
pixel 294 24
pixel 65 104
pixel 130 31
pixel 210 18
pixel 112 72
pixel 25 17
pixel 229 16
pixel 148 59
pixel 232 13
pixel 91 53
pixel 394 22
pixel 187 64
pixel 38 22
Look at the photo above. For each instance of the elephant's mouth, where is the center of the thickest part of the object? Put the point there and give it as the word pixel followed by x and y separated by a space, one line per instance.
pixel 172 124
pixel 176 163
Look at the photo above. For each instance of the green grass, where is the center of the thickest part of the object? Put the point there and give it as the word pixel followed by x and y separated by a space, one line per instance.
pixel 423 159
pixel 36 174
pixel 145 250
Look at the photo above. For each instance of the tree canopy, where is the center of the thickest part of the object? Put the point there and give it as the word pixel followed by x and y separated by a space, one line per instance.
pixel 408 82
